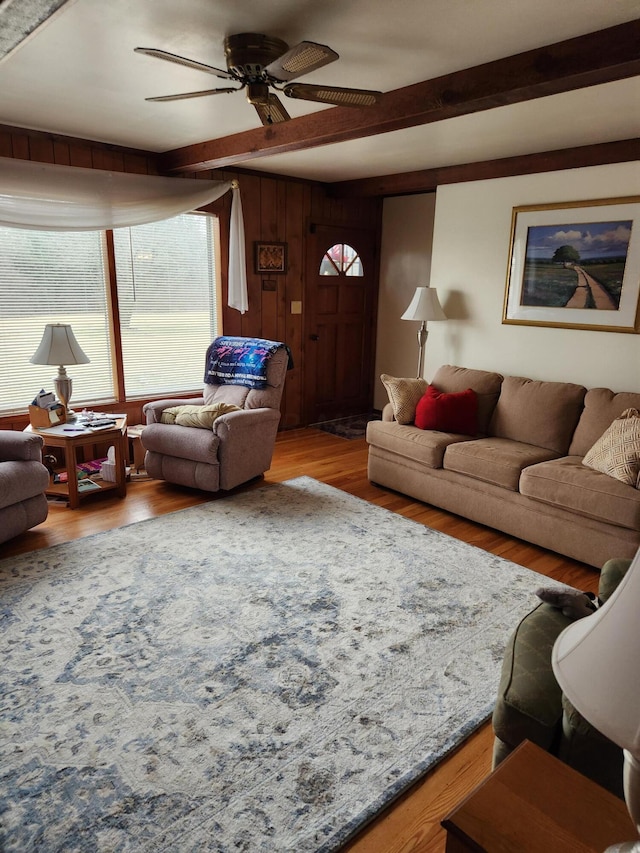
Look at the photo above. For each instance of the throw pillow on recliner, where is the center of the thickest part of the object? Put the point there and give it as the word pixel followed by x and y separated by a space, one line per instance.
pixel 456 412
pixel 196 416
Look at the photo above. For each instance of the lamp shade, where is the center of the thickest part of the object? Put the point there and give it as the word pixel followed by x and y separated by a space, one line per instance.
pixel 59 346
pixel 596 661
pixel 424 306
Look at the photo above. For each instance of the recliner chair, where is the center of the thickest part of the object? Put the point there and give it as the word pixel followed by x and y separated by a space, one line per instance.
pixel 237 447
pixel 530 704
pixel 23 479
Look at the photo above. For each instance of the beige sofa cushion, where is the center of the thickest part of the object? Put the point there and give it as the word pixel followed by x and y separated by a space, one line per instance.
pixel 426 447
pixel 403 396
pixel 539 413
pixel 617 452
pixel 566 483
pixel 452 379
pixel 601 408
pixel 494 460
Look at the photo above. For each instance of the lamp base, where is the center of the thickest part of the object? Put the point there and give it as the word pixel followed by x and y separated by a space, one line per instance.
pixel 63 386
pixel 631 778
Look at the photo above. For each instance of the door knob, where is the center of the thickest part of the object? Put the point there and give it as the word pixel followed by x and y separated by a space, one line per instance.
pixel 314 337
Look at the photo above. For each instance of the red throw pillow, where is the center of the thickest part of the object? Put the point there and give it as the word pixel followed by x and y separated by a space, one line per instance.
pixel 456 412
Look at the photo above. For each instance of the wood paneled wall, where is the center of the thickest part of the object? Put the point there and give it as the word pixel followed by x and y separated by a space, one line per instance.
pixel 275 209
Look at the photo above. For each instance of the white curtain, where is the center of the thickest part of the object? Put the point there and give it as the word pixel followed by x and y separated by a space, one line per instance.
pixel 67 198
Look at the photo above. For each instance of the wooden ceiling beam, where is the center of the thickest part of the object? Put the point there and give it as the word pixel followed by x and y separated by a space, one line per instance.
pixel 427 180
pixel 588 60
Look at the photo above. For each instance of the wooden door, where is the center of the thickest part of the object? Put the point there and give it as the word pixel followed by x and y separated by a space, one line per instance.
pixel 341 301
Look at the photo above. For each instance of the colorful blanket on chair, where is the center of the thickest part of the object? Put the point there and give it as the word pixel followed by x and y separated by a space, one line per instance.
pixel 239 361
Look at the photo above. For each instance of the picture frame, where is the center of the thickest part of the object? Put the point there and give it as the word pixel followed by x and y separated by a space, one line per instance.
pixel 270 258
pixel 575 265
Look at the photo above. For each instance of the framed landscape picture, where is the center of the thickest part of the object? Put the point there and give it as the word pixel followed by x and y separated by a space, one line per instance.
pixel 575 265
pixel 271 257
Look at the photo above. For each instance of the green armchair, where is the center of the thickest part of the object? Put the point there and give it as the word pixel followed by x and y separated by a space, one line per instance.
pixel 530 703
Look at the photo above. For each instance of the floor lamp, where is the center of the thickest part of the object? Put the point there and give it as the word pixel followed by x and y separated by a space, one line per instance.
pixel 59 346
pixel 423 307
pixel 596 662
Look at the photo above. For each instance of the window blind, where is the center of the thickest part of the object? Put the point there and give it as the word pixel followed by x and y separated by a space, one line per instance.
pixel 168 301
pixel 52 277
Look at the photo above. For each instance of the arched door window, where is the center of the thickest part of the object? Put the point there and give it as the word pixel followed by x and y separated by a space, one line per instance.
pixel 341 259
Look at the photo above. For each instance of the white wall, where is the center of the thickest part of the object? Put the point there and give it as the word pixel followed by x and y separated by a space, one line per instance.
pixel 405 263
pixel 468 260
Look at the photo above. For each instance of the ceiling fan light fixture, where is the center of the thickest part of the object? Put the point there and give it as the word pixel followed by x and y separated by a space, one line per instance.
pixel 258 93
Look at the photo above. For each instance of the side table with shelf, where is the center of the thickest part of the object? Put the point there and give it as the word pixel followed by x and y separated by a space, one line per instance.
pixel 534 803
pixel 71 439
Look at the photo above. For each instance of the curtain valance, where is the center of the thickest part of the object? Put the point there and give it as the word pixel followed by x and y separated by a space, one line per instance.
pixel 49 197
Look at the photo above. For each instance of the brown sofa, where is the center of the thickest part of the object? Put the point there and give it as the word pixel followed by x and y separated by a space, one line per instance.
pixel 523 473
pixel 23 479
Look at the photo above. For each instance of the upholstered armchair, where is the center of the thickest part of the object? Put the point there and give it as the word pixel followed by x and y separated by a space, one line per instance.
pixel 530 704
pixel 23 479
pixel 236 427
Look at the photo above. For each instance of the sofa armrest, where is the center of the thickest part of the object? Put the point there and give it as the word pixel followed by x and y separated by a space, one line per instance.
pixel 246 444
pixel 153 410
pixel 20 446
pixel 387 413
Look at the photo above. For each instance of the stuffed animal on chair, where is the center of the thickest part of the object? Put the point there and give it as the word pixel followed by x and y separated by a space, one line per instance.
pixel 573 603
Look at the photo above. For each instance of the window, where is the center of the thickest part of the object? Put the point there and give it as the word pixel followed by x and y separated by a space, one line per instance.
pixel 167 292
pixel 341 259
pixel 167 296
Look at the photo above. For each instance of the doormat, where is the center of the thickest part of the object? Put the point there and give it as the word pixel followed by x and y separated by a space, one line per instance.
pixel 352 427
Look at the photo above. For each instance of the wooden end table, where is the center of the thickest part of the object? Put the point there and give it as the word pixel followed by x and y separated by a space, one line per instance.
pixel 71 438
pixel 534 803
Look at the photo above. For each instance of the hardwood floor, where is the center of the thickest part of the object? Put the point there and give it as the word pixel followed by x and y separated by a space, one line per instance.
pixel 412 823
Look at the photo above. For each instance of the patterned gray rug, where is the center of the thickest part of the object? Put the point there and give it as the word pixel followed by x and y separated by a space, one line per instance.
pixel 261 673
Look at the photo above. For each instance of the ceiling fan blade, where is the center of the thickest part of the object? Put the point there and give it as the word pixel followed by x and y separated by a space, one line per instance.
pixel 182 60
pixel 271 111
pixel 200 94
pixel 332 95
pixel 301 59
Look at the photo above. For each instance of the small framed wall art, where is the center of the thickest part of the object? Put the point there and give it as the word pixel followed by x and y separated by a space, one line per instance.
pixel 270 258
pixel 575 265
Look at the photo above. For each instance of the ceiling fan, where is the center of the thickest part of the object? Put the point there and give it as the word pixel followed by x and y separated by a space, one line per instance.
pixel 259 63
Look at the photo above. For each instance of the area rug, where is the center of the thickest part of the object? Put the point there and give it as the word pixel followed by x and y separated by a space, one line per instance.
pixel 264 672
pixel 352 427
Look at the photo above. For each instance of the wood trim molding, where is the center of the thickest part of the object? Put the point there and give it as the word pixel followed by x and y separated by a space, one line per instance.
pixel 588 60
pixel 428 180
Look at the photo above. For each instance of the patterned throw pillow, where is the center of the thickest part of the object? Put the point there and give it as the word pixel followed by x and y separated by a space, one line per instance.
pixel 617 451
pixel 196 416
pixel 403 396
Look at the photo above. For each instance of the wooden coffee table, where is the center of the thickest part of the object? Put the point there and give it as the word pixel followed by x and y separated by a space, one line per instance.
pixel 71 439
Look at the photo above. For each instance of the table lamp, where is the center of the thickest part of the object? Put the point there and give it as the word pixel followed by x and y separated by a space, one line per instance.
pixel 596 661
pixel 424 306
pixel 59 346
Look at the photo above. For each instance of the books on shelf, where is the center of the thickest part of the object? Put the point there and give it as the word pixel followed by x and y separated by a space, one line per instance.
pixel 87 486
pixel 92 467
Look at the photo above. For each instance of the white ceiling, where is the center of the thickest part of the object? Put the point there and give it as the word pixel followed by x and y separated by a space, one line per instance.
pixel 77 75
